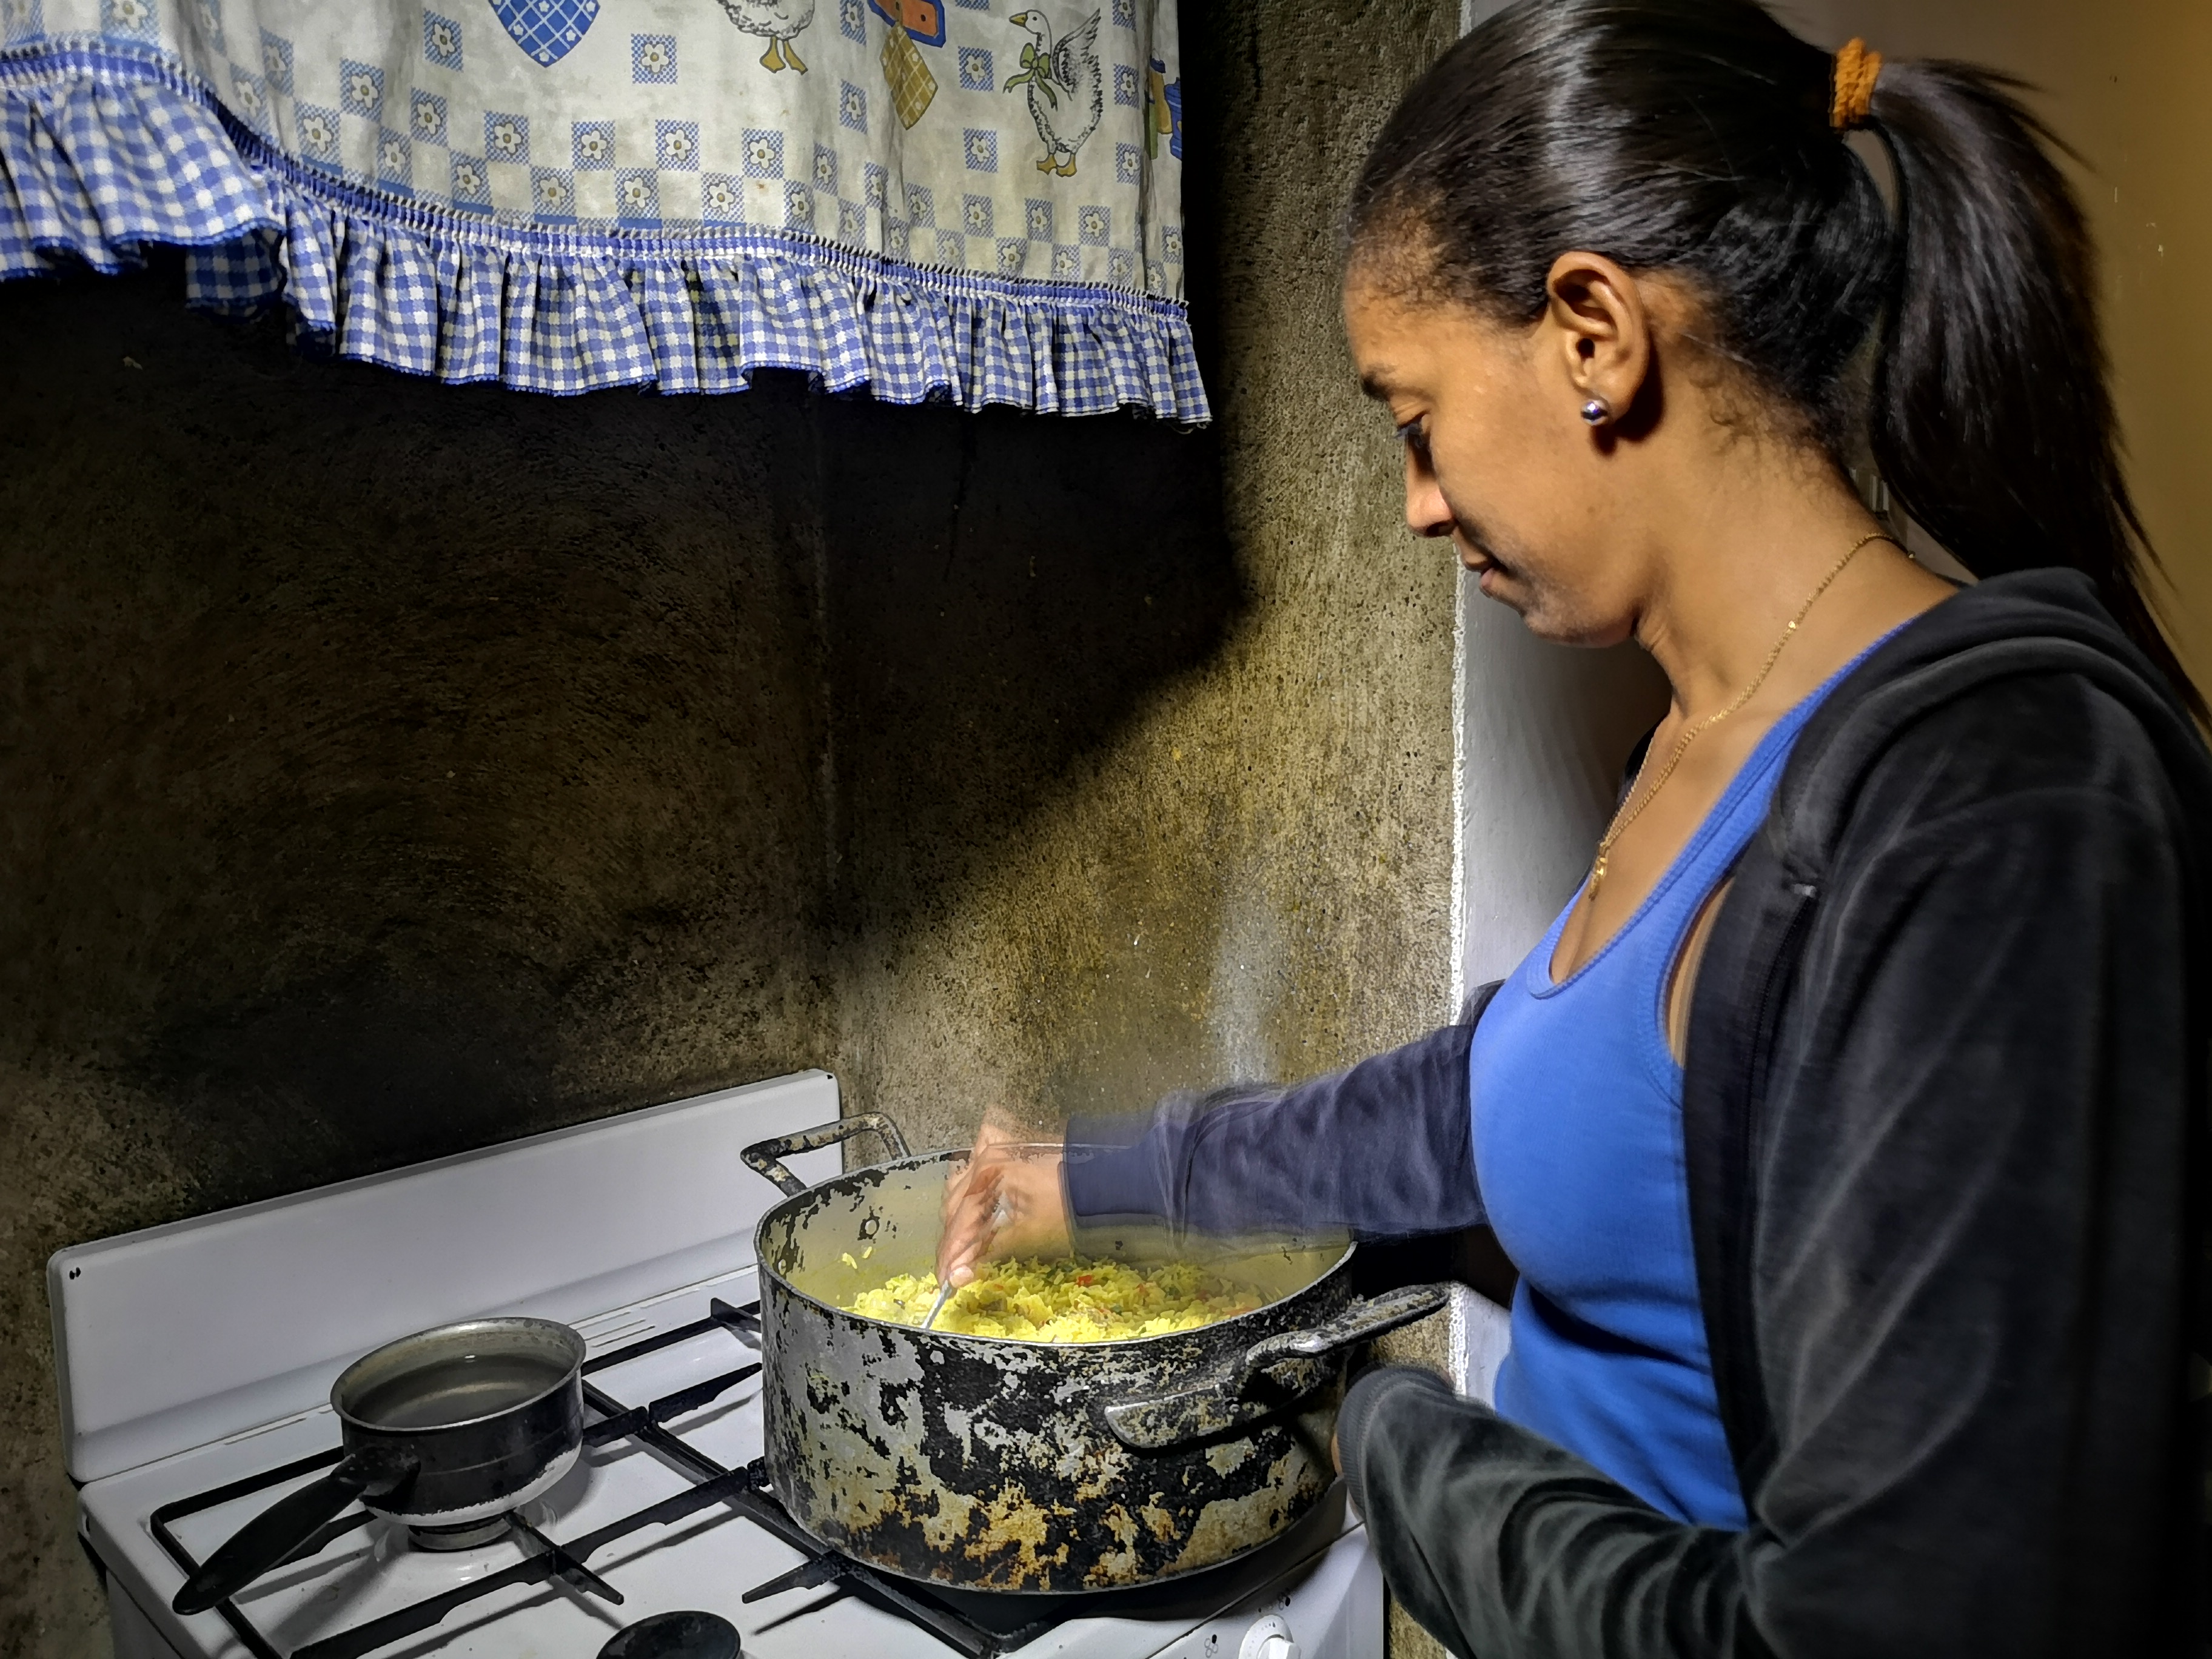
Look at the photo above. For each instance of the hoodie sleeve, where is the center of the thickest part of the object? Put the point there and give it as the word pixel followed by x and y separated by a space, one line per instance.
pixel 1961 1227
pixel 1384 1147
pixel 1498 1542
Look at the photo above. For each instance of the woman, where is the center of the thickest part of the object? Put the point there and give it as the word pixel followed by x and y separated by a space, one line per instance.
pixel 1843 1129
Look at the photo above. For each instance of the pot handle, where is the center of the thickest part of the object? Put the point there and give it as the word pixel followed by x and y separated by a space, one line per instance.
pixel 765 1156
pixel 1268 1376
pixel 375 1470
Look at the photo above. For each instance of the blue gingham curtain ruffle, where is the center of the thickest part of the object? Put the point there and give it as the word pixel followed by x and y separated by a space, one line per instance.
pixel 103 151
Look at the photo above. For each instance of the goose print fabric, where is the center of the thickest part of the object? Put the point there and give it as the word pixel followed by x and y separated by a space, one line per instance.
pixel 971 200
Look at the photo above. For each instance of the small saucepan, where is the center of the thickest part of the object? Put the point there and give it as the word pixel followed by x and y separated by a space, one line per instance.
pixel 443 1428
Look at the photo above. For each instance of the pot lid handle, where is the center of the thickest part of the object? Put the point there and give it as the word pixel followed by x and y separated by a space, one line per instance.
pixel 767 1156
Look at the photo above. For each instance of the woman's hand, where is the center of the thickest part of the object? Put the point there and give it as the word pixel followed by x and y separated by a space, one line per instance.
pixel 1007 1201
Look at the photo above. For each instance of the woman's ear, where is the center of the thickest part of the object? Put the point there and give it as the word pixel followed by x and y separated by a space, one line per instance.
pixel 1602 333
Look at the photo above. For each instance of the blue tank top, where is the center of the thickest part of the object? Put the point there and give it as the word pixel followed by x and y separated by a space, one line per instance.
pixel 1578 1105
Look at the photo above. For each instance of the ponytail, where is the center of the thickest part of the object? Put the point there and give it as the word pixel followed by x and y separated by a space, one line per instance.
pixel 1698 136
pixel 1991 418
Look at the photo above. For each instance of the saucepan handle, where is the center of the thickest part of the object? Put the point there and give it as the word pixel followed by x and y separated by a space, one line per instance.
pixel 1267 1376
pixel 767 1156
pixel 268 1538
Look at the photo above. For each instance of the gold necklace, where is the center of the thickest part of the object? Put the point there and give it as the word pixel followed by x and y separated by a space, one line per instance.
pixel 1634 810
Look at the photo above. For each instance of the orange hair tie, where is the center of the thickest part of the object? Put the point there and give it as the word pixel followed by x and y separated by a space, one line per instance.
pixel 1856 70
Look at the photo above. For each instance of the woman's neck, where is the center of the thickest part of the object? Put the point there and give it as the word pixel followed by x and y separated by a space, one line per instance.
pixel 1738 555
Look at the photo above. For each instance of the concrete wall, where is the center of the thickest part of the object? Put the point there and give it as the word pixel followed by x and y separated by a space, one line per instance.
pixel 1251 876
pixel 387 768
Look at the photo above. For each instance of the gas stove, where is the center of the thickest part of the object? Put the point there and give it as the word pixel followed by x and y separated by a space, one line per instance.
pixel 195 1360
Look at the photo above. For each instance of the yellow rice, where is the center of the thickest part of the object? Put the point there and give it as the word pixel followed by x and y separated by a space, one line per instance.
pixel 1073 1299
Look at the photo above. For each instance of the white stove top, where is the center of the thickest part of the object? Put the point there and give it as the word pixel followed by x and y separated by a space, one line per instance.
pixel 707 1560
pixel 1324 1587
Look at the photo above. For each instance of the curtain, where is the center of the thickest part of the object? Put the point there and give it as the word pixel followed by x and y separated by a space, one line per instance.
pixel 976 201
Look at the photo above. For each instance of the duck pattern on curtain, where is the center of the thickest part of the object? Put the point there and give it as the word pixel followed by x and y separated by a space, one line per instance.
pixel 970 200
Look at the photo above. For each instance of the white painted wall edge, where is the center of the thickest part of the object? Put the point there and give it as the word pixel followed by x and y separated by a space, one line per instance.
pixel 1538 734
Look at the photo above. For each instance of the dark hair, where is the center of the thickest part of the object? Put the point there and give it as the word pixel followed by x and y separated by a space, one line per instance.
pixel 1694 136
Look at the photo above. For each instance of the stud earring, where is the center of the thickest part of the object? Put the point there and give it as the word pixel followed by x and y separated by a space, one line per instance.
pixel 1597 411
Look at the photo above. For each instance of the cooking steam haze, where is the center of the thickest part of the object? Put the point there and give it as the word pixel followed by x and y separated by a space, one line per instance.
pixel 1246 958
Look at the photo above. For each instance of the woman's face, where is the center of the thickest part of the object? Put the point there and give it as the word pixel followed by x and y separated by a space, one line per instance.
pixel 1499 458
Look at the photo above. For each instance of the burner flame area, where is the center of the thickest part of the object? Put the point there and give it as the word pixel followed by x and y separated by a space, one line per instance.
pixel 393 1539
pixel 443 1539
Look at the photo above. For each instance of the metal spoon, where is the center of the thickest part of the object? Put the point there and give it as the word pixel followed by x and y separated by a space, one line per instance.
pixel 943 1295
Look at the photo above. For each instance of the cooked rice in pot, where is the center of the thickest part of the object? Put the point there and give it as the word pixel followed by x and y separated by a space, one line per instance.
pixel 1073 1299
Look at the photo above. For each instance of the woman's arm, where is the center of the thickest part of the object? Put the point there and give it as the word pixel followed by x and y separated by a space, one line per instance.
pixel 1500 1542
pixel 1384 1148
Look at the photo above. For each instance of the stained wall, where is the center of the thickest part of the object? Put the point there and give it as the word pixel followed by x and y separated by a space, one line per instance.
pixel 1251 877
pixel 388 769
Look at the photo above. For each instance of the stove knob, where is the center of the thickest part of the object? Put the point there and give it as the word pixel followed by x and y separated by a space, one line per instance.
pixel 1269 1639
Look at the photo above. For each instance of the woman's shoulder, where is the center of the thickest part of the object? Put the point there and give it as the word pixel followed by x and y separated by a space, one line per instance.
pixel 2019 690
pixel 2050 731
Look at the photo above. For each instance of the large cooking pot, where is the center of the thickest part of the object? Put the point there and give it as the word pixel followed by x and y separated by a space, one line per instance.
pixel 981 1463
pixel 443 1429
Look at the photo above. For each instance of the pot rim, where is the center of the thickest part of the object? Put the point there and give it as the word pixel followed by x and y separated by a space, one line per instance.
pixel 460 1330
pixel 765 1269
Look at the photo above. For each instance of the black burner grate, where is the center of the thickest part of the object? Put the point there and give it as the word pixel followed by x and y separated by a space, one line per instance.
pixel 743 1490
